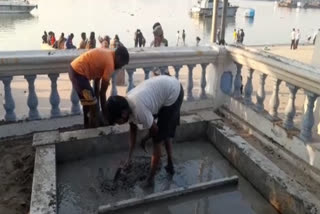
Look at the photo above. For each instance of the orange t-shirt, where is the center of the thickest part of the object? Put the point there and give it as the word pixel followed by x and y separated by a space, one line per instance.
pixel 97 63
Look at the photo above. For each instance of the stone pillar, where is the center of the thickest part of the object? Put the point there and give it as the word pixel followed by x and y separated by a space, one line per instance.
pixel 214 73
pixel 315 62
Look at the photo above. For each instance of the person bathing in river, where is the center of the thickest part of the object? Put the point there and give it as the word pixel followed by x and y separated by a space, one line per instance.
pixel 98 65
pixel 159 40
pixel 92 41
pixel 61 41
pixel 104 41
pixel 69 43
pixel 45 38
pixel 84 41
pixel 161 96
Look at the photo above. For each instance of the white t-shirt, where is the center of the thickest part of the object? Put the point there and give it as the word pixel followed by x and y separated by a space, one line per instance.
pixel 293 35
pixel 298 35
pixel 148 97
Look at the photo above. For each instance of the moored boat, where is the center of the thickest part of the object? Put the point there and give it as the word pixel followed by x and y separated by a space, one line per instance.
pixel 16 6
pixel 204 8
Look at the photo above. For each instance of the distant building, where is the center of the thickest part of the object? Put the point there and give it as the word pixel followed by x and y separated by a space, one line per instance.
pixel 300 3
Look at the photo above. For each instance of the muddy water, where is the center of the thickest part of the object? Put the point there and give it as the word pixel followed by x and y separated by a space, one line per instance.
pixel 86 184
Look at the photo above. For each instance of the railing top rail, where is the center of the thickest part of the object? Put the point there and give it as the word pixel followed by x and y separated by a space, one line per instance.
pixel 291 71
pixel 57 61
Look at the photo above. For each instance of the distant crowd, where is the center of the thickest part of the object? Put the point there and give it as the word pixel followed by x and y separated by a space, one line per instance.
pixel 238 36
pixel 86 43
pixel 106 42
pixel 296 36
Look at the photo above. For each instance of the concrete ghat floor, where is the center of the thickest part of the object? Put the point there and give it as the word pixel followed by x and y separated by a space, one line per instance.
pixel 79 184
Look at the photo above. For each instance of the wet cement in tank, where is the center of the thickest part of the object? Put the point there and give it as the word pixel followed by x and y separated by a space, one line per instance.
pixel 86 184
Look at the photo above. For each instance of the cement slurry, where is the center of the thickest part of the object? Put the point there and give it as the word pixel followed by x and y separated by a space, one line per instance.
pixel 86 184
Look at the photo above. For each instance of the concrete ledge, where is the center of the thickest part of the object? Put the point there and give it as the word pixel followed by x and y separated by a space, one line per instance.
pixel 169 194
pixel 74 145
pixel 309 152
pixel 29 127
pixel 43 197
pixel 284 193
pixel 278 149
pixel 45 138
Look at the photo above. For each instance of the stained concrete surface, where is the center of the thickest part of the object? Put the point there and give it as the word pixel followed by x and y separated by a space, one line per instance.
pixel 86 184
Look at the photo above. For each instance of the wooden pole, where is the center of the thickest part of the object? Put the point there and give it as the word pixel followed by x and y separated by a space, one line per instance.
pixel 223 20
pixel 214 21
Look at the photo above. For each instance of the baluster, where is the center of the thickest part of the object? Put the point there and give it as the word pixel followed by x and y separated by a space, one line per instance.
pixel 32 98
pixel 130 79
pixel 190 82
pixel 114 90
pixel 203 82
pixel 177 70
pixel 274 100
pixel 54 96
pixel 290 110
pixel 75 107
pixel 8 100
pixel 147 73
pixel 248 88
pixel 308 118
pixel 164 70
pixel 238 82
pixel 261 94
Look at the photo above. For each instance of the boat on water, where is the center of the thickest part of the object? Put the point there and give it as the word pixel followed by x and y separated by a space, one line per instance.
pixel 204 8
pixel 16 6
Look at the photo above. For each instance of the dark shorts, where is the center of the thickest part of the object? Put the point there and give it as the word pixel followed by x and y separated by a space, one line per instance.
pixel 169 119
pixel 83 88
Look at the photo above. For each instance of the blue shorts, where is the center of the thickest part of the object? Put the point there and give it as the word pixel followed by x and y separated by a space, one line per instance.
pixel 83 88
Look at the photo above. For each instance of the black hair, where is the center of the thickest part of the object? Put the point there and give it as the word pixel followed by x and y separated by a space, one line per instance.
pixel 123 53
pixel 83 35
pixel 114 107
pixel 156 25
pixel 92 35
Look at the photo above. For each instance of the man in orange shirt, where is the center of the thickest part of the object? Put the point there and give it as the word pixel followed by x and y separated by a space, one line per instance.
pixel 96 64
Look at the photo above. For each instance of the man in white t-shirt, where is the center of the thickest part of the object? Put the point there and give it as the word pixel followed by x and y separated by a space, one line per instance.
pixel 159 97
pixel 293 38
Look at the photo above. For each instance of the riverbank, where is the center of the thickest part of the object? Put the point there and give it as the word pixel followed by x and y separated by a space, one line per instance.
pixel 303 54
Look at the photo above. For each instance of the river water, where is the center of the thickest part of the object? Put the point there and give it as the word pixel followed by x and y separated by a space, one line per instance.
pixel 272 25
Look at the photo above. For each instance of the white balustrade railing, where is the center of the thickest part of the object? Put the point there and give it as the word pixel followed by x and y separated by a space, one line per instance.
pixel 277 69
pixel 30 64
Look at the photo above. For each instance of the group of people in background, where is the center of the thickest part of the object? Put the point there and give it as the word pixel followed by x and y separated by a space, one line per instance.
pixel 295 37
pixel 106 41
pixel 238 36
pixel 85 43
pixel 182 36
